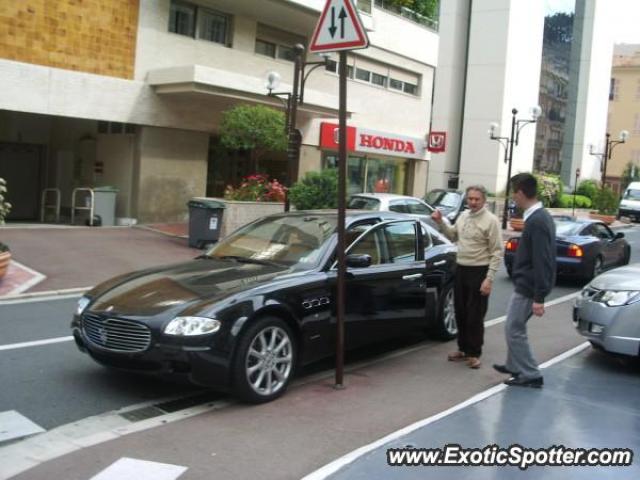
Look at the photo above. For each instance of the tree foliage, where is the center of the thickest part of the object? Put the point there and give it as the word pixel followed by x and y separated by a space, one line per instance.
pixel 256 128
pixel 558 28
pixel 428 8
pixel 631 174
pixel 316 190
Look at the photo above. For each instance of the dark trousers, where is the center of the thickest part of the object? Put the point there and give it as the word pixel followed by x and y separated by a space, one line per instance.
pixel 471 307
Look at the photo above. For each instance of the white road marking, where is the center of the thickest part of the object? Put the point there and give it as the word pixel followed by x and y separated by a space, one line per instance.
pixel 43 296
pixel 565 298
pixel 13 425
pixel 140 470
pixel 37 278
pixel 35 343
pixel 350 457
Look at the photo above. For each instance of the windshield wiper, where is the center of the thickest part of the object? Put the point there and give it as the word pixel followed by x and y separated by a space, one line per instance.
pixel 257 261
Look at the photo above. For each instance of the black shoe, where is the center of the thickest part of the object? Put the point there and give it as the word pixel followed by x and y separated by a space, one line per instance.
pixel 504 369
pixel 523 382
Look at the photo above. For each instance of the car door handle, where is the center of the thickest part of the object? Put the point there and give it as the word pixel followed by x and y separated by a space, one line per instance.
pixel 438 263
pixel 415 276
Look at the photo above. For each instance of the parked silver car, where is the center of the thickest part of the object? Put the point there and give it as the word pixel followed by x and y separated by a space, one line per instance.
pixel 607 312
pixel 389 202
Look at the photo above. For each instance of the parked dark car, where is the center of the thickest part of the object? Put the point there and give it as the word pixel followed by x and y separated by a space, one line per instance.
pixel 450 202
pixel 585 248
pixel 261 302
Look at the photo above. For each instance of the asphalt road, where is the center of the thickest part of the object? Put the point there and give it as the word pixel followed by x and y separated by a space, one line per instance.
pixel 54 384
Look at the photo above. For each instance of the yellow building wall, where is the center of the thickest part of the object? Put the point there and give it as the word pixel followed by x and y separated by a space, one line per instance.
pixel 94 36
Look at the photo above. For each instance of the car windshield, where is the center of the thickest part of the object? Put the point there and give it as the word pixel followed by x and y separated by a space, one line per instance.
pixel 443 199
pixel 567 229
pixel 632 194
pixel 363 203
pixel 292 241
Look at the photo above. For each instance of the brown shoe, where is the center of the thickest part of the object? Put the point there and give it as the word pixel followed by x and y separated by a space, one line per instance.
pixel 456 356
pixel 473 362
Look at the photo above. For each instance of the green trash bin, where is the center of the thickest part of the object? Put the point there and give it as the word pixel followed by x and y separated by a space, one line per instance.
pixel 205 221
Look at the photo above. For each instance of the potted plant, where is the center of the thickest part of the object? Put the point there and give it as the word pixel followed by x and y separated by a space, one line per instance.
pixel 606 204
pixel 5 258
pixel 5 207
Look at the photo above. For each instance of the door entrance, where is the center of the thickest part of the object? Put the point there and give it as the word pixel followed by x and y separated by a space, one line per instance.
pixel 21 167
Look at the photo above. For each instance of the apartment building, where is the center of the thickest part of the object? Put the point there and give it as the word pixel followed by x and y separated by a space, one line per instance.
pixel 624 113
pixel 129 93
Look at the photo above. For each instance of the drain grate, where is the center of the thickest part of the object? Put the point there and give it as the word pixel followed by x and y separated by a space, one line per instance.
pixel 143 413
pixel 170 406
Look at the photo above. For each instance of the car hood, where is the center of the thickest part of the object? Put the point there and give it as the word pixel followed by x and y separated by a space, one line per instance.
pixel 175 287
pixel 623 278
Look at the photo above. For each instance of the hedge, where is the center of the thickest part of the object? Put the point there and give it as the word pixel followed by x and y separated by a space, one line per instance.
pixel 566 201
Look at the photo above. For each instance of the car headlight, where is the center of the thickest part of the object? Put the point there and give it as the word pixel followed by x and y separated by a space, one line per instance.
pixel 188 326
pixel 82 304
pixel 617 298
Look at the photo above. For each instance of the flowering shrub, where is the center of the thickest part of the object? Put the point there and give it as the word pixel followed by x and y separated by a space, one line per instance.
pixel 257 188
pixel 5 207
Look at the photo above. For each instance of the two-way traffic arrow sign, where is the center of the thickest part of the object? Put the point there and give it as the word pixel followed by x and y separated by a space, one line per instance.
pixel 339 28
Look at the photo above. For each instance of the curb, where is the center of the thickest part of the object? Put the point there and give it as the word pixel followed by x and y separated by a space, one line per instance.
pixel 43 295
pixel 166 234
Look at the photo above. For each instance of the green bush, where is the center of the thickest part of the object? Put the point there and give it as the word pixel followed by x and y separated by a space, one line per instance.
pixel 549 188
pixel 588 188
pixel 606 201
pixel 316 190
pixel 5 207
pixel 566 201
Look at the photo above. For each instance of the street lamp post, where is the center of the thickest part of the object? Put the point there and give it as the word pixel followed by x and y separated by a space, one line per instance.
pixel 509 143
pixel 293 99
pixel 575 188
pixel 606 154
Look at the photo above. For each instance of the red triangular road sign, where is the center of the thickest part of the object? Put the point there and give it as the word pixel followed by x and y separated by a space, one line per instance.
pixel 339 28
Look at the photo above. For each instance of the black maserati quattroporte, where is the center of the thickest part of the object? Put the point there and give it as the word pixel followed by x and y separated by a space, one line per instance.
pixel 261 302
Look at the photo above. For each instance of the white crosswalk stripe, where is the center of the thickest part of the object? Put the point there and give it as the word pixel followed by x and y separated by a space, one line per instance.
pixel 13 425
pixel 126 468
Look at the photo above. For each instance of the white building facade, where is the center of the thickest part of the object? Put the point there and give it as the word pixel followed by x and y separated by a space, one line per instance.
pixel 152 132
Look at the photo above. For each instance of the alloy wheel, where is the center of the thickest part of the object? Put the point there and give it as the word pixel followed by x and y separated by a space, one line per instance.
pixel 269 361
pixel 449 314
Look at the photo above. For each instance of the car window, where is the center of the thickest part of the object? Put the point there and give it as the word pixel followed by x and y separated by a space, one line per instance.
pixel 427 238
pixel 363 203
pixel 369 244
pixel 564 228
pixel 632 194
pixel 399 206
pixel 418 208
pixel 401 240
pixel 601 231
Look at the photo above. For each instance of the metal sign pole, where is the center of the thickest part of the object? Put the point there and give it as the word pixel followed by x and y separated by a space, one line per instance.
pixel 342 194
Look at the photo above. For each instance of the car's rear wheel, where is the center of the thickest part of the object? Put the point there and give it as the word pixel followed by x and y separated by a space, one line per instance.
pixel 597 267
pixel 446 327
pixel 265 361
pixel 626 257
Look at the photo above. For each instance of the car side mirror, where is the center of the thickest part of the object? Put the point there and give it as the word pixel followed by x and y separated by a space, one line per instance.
pixel 358 260
pixel 618 235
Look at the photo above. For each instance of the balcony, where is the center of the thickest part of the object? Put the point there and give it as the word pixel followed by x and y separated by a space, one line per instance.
pixel 390 6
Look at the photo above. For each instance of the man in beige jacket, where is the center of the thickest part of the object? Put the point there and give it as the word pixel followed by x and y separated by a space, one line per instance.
pixel 479 239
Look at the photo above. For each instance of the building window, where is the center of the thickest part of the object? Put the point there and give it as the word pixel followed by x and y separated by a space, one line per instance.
pixel 364 75
pixel 213 26
pixel 265 48
pixel 395 84
pixel 378 79
pixel 182 18
pixel 192 21
pixel 286 53
pixel 614 88
pixel 410 88
pixel 364 5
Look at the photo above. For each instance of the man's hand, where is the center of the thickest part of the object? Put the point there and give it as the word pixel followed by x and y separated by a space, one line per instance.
pixel 485 288
pixel 538 309
pixel 436 216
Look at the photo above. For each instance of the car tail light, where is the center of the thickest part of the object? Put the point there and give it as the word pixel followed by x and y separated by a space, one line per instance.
pixel 575 251
pixel 512 245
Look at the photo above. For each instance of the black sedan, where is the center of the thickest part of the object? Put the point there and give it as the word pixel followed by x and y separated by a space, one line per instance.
pixel 585 248
pixel 260 303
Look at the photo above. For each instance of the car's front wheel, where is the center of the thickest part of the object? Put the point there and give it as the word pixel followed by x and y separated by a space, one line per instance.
pixel 626 257
pixel 265 361
pixel 446 327
pixel 597 267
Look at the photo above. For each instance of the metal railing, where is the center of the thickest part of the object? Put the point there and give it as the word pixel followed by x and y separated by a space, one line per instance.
pixel 44 205
pixel 90 207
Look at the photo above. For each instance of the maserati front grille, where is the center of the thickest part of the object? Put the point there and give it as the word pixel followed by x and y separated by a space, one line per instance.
pixel 116 334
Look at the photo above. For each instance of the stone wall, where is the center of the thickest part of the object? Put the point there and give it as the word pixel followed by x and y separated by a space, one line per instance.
pixel 94 36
